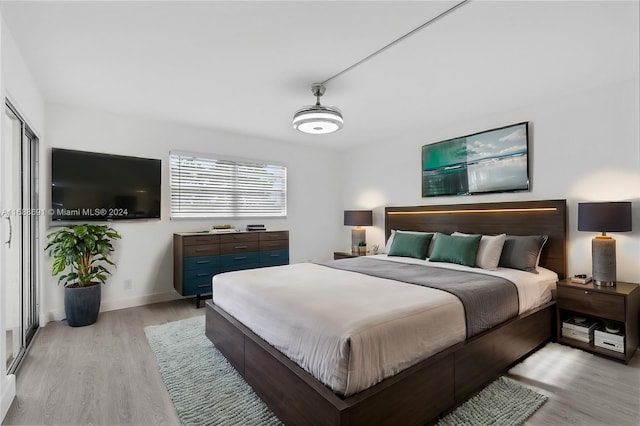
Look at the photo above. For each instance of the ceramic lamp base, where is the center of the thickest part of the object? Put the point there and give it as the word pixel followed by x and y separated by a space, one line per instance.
pixel 603 255
pixel 358 235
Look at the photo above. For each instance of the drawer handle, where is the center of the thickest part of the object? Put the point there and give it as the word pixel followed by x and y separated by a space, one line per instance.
pixel 240 247
pixel 240 258
pixel 202 262
pixel 274 255
pixel 202 249
pixel 203 286
pixel 586 292
pixel 203 275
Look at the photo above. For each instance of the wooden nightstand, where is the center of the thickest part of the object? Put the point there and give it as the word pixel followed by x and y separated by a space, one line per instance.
pixel 346 255
pixel 620 303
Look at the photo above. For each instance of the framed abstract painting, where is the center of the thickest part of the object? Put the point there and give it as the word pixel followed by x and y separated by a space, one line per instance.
pixel 495 160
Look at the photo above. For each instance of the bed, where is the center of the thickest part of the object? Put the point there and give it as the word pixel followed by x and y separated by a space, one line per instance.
pixel 413 391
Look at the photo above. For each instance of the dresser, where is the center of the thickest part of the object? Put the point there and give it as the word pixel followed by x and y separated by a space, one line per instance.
pixel 197 257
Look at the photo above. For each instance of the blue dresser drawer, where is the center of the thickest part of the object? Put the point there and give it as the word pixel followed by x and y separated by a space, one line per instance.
pixel 274 257
pixel 197 282
pixel 201 262
pixel 234 262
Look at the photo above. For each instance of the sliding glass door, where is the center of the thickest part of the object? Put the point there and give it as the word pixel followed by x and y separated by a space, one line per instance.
pixel 20 275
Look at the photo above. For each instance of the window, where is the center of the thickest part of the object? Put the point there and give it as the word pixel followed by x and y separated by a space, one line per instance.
pixel 206 187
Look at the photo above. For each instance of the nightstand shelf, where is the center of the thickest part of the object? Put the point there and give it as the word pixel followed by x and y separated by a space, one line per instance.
pixel 620 304
pixel 346 255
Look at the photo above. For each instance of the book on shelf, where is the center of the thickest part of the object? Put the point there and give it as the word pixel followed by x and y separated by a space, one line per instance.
pixel 580 324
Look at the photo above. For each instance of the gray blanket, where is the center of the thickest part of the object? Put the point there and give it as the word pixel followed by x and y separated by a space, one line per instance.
pixel 487 300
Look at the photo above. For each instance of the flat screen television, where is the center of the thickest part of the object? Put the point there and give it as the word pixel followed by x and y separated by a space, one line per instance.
pixel 495 160
pixel 89 186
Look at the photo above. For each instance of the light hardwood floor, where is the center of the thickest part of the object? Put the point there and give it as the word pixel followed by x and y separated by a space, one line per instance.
pixel 101 374
pixel 583 389
pixel 106 374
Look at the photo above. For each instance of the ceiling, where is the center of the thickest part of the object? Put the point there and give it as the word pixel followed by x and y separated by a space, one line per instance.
pixel 247 66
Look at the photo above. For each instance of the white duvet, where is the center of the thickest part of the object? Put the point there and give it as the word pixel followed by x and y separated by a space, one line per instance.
pixel 350 330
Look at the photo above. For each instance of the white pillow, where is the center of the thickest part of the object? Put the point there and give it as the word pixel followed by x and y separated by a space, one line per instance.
pixel 489 250
pixel 387 247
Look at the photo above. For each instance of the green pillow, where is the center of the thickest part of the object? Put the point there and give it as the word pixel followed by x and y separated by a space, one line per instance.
pixel 456 249
pixel 410 245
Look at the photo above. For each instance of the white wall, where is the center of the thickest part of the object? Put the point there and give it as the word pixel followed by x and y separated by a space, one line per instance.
pixel 17 84
pixel 144 255
pixel 583 147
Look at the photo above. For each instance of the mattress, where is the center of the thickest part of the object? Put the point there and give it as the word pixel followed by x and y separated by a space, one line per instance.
pixel 351 330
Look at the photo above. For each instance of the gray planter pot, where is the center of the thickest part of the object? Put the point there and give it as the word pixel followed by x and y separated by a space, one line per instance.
pixel 82 304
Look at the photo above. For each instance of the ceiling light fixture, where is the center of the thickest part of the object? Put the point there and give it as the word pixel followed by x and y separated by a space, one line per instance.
pixel 317 119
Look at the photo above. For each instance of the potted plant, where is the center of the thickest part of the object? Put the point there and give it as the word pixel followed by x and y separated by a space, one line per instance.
pixel 362 247
pixel 85 250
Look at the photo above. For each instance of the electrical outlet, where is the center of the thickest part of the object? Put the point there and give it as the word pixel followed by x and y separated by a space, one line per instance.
pixel 127 284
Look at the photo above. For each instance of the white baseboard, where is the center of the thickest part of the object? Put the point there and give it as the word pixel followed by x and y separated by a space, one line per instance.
pixel 8 388
pixel 147 299
pixel 113 305
pixel 56 315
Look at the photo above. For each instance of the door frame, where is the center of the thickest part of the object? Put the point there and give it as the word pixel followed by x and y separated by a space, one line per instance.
pixel 28 226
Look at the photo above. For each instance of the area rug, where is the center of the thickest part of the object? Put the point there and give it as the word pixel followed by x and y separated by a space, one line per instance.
pixel 204 387
pixel 503 402
pixel 207 390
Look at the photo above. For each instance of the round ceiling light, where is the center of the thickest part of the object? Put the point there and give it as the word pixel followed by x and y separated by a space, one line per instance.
pixel 317 119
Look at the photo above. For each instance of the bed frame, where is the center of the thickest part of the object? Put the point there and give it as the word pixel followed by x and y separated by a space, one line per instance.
pixel 425 391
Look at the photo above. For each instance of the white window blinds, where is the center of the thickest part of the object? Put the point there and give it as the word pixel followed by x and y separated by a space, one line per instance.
pixel 206 187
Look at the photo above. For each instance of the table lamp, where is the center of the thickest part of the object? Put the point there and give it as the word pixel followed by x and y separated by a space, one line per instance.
pixel 604 217
pixel 358 218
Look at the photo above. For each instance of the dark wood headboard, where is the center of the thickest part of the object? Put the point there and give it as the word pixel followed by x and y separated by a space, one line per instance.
pixel 546 217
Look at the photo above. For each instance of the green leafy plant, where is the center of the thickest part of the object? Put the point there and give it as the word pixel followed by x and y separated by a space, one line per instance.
pixel 362 244
pixel 85 249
